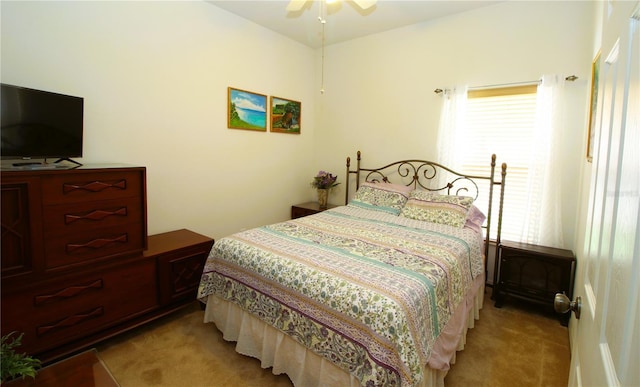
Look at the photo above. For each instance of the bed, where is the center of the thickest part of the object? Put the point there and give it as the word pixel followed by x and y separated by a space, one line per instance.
pixel 379 291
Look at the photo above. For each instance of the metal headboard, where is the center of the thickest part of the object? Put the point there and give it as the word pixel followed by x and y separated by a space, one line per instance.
pixel 431 176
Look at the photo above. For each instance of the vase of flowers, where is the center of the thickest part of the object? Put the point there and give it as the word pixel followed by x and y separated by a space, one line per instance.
pixel 323 182
pixel 323 197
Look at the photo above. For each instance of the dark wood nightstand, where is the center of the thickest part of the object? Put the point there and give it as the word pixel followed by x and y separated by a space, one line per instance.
pixel 180 257
pixel 309 208
pixel 534 273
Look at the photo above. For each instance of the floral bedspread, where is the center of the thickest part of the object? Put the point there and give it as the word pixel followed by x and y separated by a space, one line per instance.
pixel 368 291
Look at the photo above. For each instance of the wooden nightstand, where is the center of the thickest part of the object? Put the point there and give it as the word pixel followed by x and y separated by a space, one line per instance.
pixel 180 257
pixel 534 273
pixel 309 208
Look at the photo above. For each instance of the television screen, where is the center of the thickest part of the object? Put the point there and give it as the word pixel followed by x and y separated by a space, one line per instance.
pixel 40 124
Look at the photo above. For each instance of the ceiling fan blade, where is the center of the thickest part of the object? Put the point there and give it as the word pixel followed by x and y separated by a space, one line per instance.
pixel 365 4
pixel 295 5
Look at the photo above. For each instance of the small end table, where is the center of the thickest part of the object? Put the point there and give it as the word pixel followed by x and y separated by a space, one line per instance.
pixel 534 273
pixel 309 208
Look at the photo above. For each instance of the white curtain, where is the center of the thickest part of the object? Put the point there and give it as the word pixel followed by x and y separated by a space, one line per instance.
pixel 452 127
pixel 543 225
pixel 543 220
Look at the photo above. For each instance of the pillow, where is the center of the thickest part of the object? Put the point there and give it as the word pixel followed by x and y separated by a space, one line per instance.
pixel 436 208
pixel 385 197
pixel 475 218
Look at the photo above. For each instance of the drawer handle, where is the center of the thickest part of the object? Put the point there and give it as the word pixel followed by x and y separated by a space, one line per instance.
pixel 69 292
pixel 96 215
pixel 97 243
pixel 94 186
pixel 70 321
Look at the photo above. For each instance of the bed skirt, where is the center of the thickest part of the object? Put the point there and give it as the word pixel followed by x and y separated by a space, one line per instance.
pixel 284 355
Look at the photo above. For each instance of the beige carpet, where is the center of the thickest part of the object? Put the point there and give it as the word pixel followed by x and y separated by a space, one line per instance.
pixel 509 346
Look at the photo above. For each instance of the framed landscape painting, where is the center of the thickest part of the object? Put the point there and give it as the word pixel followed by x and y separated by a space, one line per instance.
pixel 246 110
pixel 285 115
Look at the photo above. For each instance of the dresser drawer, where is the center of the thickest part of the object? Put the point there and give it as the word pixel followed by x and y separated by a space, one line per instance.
pixel 71 219
pixel 91 186
pixel 64 310
pixel 89 245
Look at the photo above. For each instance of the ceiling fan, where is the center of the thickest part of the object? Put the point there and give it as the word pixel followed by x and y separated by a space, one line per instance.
pixel 296 5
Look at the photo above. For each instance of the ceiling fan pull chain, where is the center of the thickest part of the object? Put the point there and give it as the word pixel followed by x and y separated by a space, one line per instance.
pixel 323 21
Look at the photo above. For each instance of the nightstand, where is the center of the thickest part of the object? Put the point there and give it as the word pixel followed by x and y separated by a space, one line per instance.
pixel 534 273
pixel 309 208
pixel 180 256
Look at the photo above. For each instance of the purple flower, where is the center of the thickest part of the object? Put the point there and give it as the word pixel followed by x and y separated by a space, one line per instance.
pixel 324 180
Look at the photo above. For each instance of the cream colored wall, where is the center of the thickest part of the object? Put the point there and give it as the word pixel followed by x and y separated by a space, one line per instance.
pixel 586 170
pixel 379 89
pixel 582 201
pixel 154 76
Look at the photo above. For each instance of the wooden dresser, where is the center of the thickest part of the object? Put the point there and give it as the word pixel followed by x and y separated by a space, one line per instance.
pixel 74 265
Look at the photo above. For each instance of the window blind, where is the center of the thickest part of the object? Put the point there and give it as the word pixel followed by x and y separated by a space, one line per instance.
pixel 501 121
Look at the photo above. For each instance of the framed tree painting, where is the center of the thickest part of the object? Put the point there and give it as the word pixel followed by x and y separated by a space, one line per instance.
pixel 595 69
pixel 285 115
pixel 246 110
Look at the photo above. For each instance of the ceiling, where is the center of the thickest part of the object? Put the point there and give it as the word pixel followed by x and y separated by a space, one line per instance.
pixel 344 19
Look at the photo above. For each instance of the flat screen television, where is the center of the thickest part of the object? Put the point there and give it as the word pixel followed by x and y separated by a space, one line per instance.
pixel 37 124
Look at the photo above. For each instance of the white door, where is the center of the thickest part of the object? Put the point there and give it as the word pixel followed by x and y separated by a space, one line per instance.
pixel 607 336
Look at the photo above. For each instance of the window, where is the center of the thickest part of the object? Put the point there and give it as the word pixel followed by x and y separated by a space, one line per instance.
pixel 502 121
pixel 523 126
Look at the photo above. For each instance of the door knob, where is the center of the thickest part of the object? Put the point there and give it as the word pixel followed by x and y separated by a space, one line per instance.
pixel 562 304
